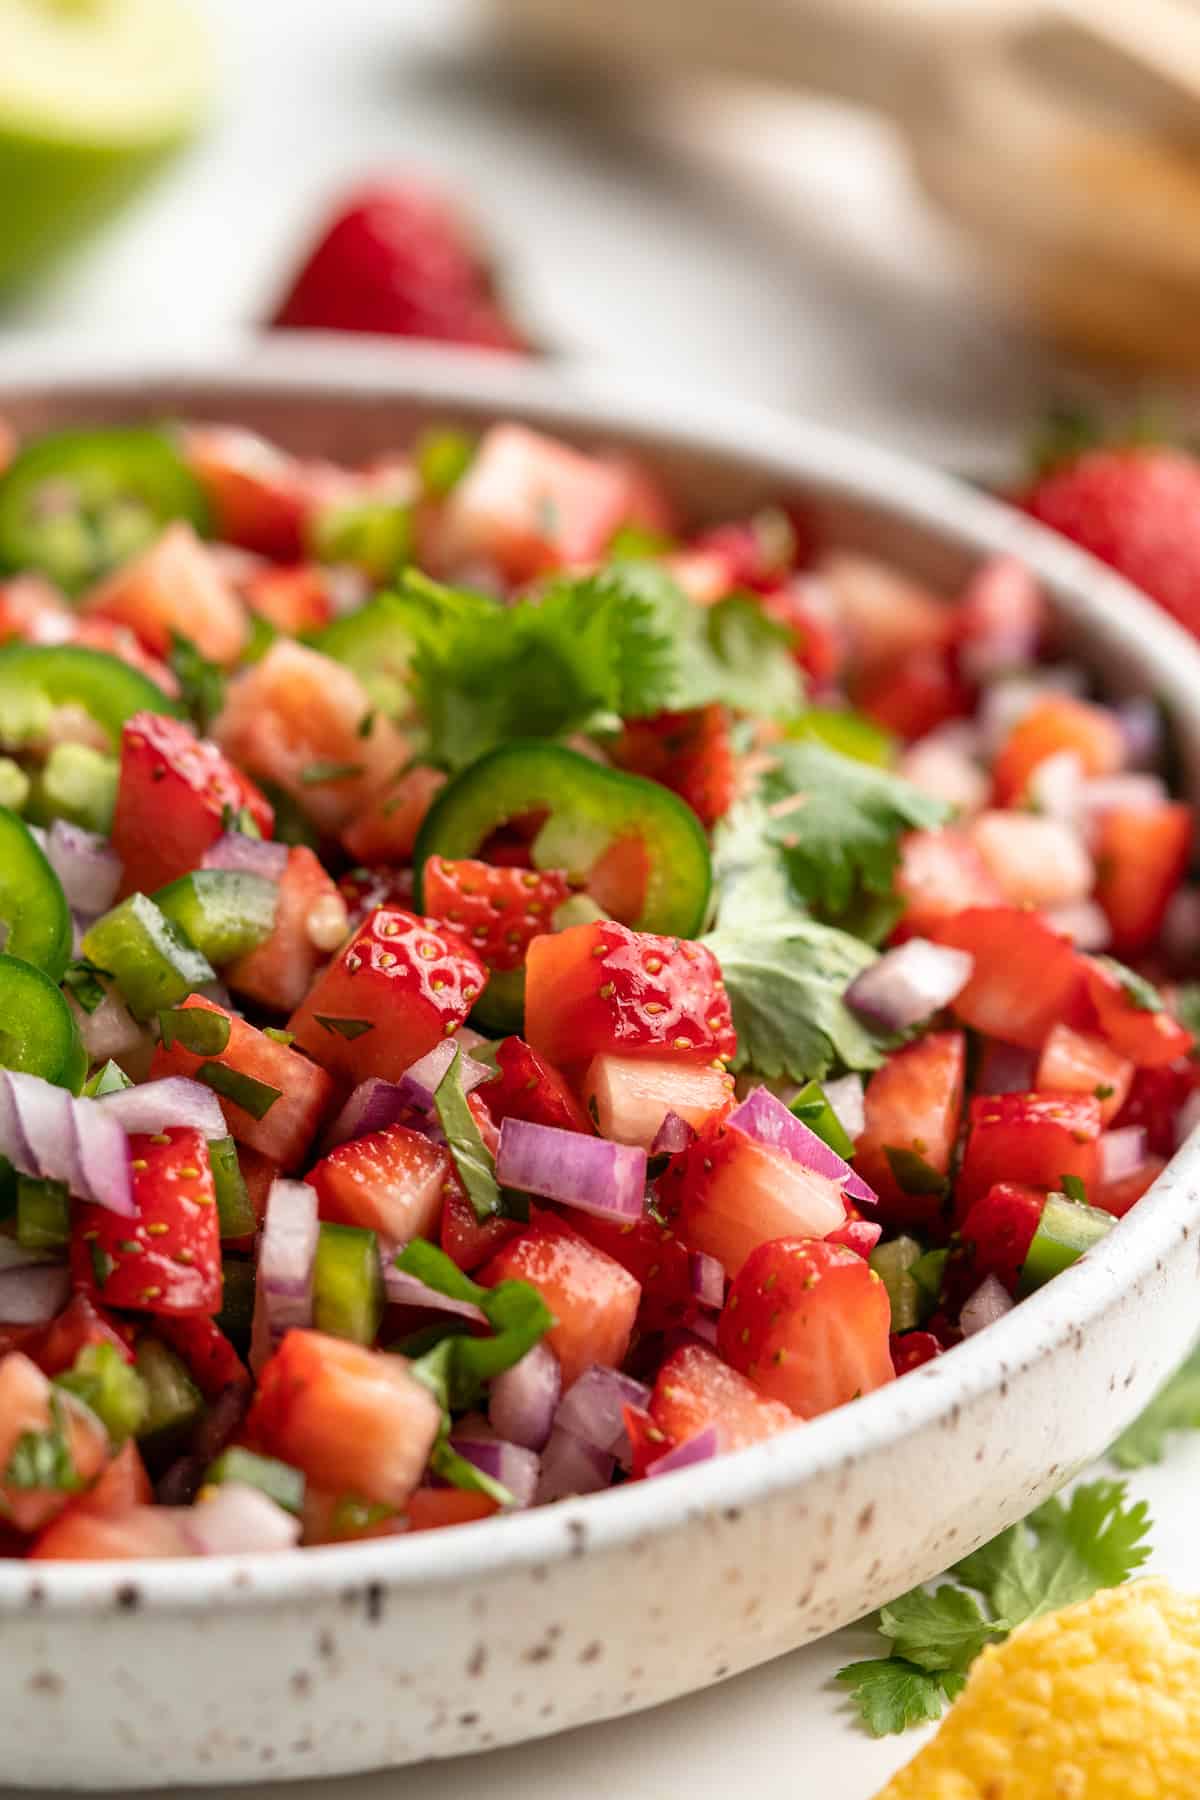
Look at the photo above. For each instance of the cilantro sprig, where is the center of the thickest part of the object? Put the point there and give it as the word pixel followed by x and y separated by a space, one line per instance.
pixel 1062 1554
pixel 471 1156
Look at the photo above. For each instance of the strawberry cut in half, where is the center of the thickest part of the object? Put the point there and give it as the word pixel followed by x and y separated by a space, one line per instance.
pixel 498 911
pixel 167 1258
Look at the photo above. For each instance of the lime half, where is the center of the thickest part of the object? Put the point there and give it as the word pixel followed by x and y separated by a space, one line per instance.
pixel 93 95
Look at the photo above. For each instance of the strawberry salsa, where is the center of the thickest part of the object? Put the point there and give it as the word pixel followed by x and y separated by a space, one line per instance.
pixel 505 995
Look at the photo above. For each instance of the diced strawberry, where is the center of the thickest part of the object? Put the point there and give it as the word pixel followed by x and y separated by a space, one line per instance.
pixel 310 920
pixel 283 1122
pixel 941 873
pixel 808 1324
pixel 695 1389
pixel 298 719
pixel 689 752
pixel 392 1182
pixel 913 1107
pixel 467 1240
pixel 258 494
pixel 728 1194
pixel 133 1533
pixel 355 1420
pixel 630 1096
pixel 176 586
pixel 29 1404
pixel 175 796
pixel 529 503
pixel 385 831
pixel 214 1363
pixel 1037 861
pixel 998 1230
pixel 531 1088
pixel 603 987
pixel 1034 1140
pixel 1001 618
pixel 293 599
pixel 1059 722
pixel 911 1349
pixel 54 1347
pixel 1076 1062
pixel 1154 1102
pixel 914 695
pixel 397 258
pixel 617 879
pixel 804 609
pixel 498 911
pixel 399 987
pixel 593 1299
pixel 655 1258
pixel 886 615
pixel 1025 977
pixel 1117 1197
pixel 365 889
pixel 432 1509
pixel 119 641
pixel 341 1519
pixel 1146 1034
pixel 1141 858
pixel 124 1483
pixel 167 1258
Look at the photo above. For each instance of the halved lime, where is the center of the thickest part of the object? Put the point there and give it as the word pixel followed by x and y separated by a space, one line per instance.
pixel 93 95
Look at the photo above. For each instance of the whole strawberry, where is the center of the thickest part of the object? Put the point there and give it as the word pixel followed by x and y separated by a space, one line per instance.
pixel 399 260
pixel 1138 509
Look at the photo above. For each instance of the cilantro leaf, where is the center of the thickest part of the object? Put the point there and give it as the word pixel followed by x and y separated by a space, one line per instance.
pixel 81 979
pixel 202 1032
pixel 470 1154
pixel 347 1028
pixel 1187 1008
pixel 839 822
pixel 321 773
pixel 1176 1407
pixel 942 1630
pixel 254 1097
pixel 733 653
pixel 892 1694
pixel 201 682
pixel 750 877
pixel 786 983
pixel 456 1368
pixel 42 1459
pixel 445 1461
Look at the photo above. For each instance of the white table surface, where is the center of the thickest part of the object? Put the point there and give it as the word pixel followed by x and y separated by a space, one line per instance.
pixel 832 293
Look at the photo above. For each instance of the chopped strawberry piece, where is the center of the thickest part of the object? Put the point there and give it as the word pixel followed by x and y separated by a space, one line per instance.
pixel 466 1239
pixel 175 796
pixel 285 1095
pixel 119 641
pixel 401 985
pixel 214 1363
pixel 1117 1197
pixel 1154 1102
pixel 131 1534
pixel 1057 723
pixel 807 1323
pixel 385 831
pixel 729 1193
pixel 695 1390
pixel 913 1108
pixel 1035 1140
pixel 311 918
pixel 294 600
pixel 29 1404
pixel 167 1258
pixel 941 873
pixel 655 1258
pixel 915 695
pixel 1077 1062
pixel 805 610
pixel 689 752
pixel 911 1349
pixel 433 1509
pixel 498 911
pixel 531 1088
pixel 176 586
pixel 54 1347
pixel 594 1300
pixel 1025 977
pixel 998 1230
pixel 392 1182
pixel 258 494
pixel 1141 858
pixel 1146 1034
pixel 604 987
pixel 630 1096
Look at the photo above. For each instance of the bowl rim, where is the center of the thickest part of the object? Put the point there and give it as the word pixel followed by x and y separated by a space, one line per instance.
pixel 797 452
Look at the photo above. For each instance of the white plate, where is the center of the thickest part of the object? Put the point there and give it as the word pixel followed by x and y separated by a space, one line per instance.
pixel 136 1674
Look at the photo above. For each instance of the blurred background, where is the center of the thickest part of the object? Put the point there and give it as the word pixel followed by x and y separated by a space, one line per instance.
pixel 920 219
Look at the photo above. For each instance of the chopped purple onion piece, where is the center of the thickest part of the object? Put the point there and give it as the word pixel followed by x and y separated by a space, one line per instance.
pixel 763 1117
pixel 1122 1153
pixel 673 1136
pixel 569 1466
pixel 522 1400
pixel 708 1280
pixel 908 985
pixel 159 1105
pixel 512 1465
pixel 87 866
pixel 593 1409
pixel 697 1449
pixel 990 1301
pixel 607 1180
pixel 249 855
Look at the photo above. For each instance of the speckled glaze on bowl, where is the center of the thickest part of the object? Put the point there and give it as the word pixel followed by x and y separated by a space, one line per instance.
pixel 134 1674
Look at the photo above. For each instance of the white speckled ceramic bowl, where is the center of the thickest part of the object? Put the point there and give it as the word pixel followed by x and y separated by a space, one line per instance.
pixel 131 1674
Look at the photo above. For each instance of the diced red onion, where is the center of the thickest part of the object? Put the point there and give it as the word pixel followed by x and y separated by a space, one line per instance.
pixel 672 1136
pixel 522 1400
pixel 468 1040
pixel 697 1449
pixel 606 1180
pixel 102 1157
pixel 406 1290
pixel 846 1097
pixel 109 1032
pixel 708 1280
pixel 1083 921
pixel 1181 925
pixel 426 1073
pixel 1141 726
pixel 87 866
pixel 569 1466
pixel 44 1112
pixel 940 764
pixel 906 986
pixel 176 1100
pixel 705 1328
pixel 45 1132
pixel 763 1117
pixel 1056 786
pixel 180 1481
pixel 35 1294
pixel 990 1301
pixel 250 855
pixel 286 1255
pixel 1187 1118
pixel 237 1518
pixel 512 1465
pixel 593 1409
pixel 1122 1152
pixel 373 1106
pixel 1005 1069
